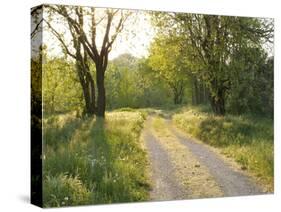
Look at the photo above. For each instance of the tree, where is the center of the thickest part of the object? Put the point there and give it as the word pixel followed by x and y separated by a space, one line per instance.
pixel 81 62
pixel 132 83
pixel 121 81
pixel 153 91
pixel 60 86
pixel 167 62
pixel 75 17
pixel 252 71
pixel 211 42
pixel 216 39
pixel 36 20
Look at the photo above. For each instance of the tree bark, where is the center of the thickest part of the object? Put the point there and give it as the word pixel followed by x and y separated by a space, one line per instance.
pixel 197 91
pixel 101 99
pixel 92 96
pixel 178 91
pixel 88 90
pixel 88 87
pixel 218 103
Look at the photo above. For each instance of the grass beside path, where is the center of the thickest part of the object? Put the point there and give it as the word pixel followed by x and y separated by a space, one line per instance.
pixel 248 140
pixel 94 161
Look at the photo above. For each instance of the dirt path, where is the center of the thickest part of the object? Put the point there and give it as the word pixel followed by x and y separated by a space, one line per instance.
pixel 165 184
pixel 184 169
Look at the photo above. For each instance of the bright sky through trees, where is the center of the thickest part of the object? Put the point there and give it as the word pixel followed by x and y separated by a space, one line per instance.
pixel 135 39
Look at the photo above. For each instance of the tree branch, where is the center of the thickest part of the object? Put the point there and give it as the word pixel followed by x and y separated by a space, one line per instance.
pixel 58 36
pixel 36 29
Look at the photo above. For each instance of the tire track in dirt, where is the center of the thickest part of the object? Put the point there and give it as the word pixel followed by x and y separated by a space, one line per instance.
pixel 232 181
pixel 175 172
pixel 165 185
pixel 185 169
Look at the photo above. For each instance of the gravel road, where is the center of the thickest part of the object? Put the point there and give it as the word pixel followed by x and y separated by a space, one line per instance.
pixel 166 183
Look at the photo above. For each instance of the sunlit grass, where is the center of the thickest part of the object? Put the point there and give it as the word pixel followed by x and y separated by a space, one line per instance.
pixel 104 156
pixel 248 140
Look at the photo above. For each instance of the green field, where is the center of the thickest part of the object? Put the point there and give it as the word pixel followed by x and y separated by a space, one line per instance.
pixel 92 160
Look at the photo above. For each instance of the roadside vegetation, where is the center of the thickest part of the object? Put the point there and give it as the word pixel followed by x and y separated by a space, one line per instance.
pixel 247 139
pixel 92 160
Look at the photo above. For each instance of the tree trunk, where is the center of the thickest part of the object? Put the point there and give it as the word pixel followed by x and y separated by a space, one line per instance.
pixel 101 92
pixel 53 103
pixel 89 98
pixel 218 103
pixel 178 91
pixel 88 88
pixel 205 94
pixel 86 98
pixel 92 101
pixel 176 99
pixel 195 91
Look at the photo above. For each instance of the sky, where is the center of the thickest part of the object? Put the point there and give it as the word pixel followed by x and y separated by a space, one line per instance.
pixel 135 38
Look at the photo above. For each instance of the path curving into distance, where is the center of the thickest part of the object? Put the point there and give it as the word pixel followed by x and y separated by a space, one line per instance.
pixel 182 168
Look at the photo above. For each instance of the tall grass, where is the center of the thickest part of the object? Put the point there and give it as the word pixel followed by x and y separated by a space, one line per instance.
pixel 249 140
pixel 59 129
pixel 94 161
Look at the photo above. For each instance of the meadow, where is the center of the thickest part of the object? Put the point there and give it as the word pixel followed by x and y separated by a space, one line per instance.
pixel 96 161
pixel 91 160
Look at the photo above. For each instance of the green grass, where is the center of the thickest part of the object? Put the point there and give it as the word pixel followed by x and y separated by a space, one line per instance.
pixel 249 140
pixel 94 161
pixel 59 129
